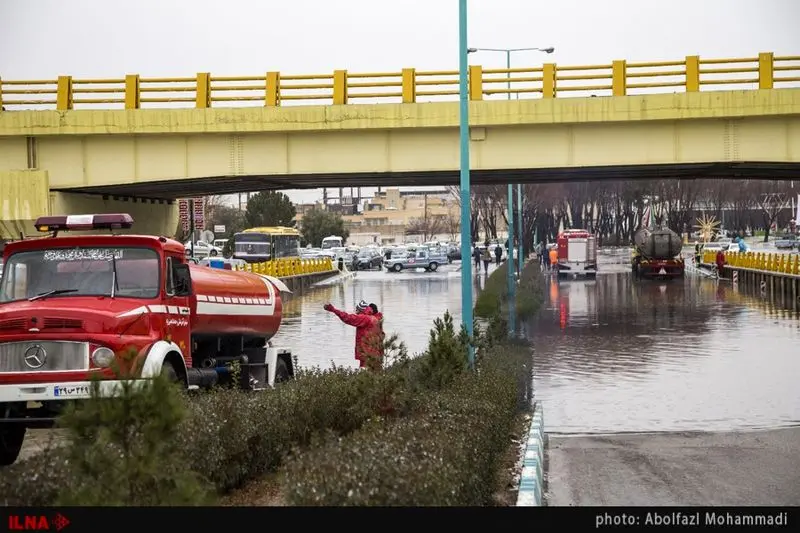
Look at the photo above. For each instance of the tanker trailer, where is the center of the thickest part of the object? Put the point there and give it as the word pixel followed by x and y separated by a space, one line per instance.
pixel 657 254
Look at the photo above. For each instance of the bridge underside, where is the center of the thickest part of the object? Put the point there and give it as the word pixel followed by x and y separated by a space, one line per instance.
pixel 171 189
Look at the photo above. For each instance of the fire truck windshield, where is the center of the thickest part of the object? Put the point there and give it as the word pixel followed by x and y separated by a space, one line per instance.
pixel 57 272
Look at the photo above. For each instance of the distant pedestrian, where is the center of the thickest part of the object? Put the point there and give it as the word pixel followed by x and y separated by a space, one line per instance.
pixel 476 255
pixel 553 258
pixel 498 254
pixel 486 258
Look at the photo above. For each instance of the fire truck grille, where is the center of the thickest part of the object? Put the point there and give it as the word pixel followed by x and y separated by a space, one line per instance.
pixel 47 356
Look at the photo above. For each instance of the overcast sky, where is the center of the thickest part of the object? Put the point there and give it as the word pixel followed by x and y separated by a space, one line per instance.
pixel 109 38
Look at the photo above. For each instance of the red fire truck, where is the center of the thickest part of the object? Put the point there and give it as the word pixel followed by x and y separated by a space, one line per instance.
pixel 74 308
pixel 577 253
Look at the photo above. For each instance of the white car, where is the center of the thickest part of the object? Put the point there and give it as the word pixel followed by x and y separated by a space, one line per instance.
pixel 202 249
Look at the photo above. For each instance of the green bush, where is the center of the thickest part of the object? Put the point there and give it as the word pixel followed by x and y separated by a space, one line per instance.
pixel 447 354
pixel 121 451
pixel 493 299
pixel 448 454
pixel 530 290
pixel 494 293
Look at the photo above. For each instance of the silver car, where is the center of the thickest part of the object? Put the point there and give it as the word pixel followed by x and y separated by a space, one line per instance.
pixel 422 258
pixel 787 242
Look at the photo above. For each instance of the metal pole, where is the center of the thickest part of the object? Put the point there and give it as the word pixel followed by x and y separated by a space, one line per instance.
pixel 191 226
pixel 466 233
pixel 520 255
pixel 512 300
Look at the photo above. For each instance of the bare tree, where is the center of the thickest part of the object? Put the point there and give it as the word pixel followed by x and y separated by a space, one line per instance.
pixel 452 225
pixel 771 203
pixel 425 227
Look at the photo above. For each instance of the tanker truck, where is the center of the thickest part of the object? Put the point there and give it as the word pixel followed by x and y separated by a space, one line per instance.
pixel 107 307
pixel 657 254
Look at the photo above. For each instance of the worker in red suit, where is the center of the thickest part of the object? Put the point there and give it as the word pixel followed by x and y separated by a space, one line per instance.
pixel 369 334
pixel 720 260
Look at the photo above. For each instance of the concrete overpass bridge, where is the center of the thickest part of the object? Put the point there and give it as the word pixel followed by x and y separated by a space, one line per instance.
pixel 136 144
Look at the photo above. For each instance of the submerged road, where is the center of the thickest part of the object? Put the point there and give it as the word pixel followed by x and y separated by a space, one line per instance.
pixel 681 393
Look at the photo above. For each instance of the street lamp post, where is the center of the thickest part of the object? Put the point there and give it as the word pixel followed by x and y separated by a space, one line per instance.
pixel 466 232
pixel 510 216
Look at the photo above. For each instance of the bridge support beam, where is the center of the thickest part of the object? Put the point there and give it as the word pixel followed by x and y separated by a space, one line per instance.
pixel 151 217
pixel 25 195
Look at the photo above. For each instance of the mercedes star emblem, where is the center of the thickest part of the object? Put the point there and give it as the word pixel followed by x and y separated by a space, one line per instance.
pixel 35 356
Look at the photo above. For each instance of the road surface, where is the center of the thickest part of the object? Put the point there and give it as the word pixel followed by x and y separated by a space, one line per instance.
pixel 715 469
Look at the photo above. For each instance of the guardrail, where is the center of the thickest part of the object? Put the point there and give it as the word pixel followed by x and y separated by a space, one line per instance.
pixel 618 78
pixel 762 261
pixel 286 267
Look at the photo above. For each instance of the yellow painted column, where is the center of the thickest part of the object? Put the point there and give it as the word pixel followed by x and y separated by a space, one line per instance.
pixel 203 91
pixel 64 93
pixel 339 87
pixel 475 82
pixel 409 86
pixel 132 93
pixel 549 80
pixel 619 83
pixel 273 95
pixel 766 74
pixel 692 74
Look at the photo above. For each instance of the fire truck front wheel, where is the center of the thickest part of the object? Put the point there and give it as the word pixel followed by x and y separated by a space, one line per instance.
pixel 168 371
pixel 11 439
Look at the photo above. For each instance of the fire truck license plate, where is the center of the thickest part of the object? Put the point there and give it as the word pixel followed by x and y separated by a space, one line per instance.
pixel 662 271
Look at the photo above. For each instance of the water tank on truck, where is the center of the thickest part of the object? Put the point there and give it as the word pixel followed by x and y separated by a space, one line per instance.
pixel 657 253
pixel 78 308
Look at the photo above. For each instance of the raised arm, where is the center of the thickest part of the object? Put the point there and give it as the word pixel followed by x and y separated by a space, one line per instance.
pixel 350 319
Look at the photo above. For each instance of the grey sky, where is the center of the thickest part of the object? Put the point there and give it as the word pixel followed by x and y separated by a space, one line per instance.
pixel 107 38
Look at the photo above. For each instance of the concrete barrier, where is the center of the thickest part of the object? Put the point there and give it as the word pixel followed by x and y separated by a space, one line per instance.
pixel 531 482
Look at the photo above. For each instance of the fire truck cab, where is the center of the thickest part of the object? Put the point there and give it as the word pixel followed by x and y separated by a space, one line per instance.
pixel 108 307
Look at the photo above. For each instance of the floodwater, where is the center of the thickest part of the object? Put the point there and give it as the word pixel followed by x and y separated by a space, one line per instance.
pixel 410 301
pixel 614 355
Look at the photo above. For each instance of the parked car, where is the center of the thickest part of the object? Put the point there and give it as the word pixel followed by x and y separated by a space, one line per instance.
pixel 202 249
pixel 422 258
pixel 367 259
pixel 454 252
pixel 787 241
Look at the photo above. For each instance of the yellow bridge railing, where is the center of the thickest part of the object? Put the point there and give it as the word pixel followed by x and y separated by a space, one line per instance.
pixel 286 267
pixel 762 261
pixel 618 78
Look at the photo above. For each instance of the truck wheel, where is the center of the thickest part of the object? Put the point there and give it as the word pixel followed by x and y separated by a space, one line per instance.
pixel 433 267
pixel 169 372
pixel 281 371
pixel 397 268
pixel 11 438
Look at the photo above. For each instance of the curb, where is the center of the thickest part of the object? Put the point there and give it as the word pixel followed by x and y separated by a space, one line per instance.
pixel 531 482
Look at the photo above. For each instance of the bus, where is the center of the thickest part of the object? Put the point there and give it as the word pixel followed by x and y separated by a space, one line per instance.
pixel 256 245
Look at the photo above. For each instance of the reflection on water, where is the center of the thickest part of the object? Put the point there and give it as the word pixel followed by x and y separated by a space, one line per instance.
pixel 410 301
pixel 614 355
